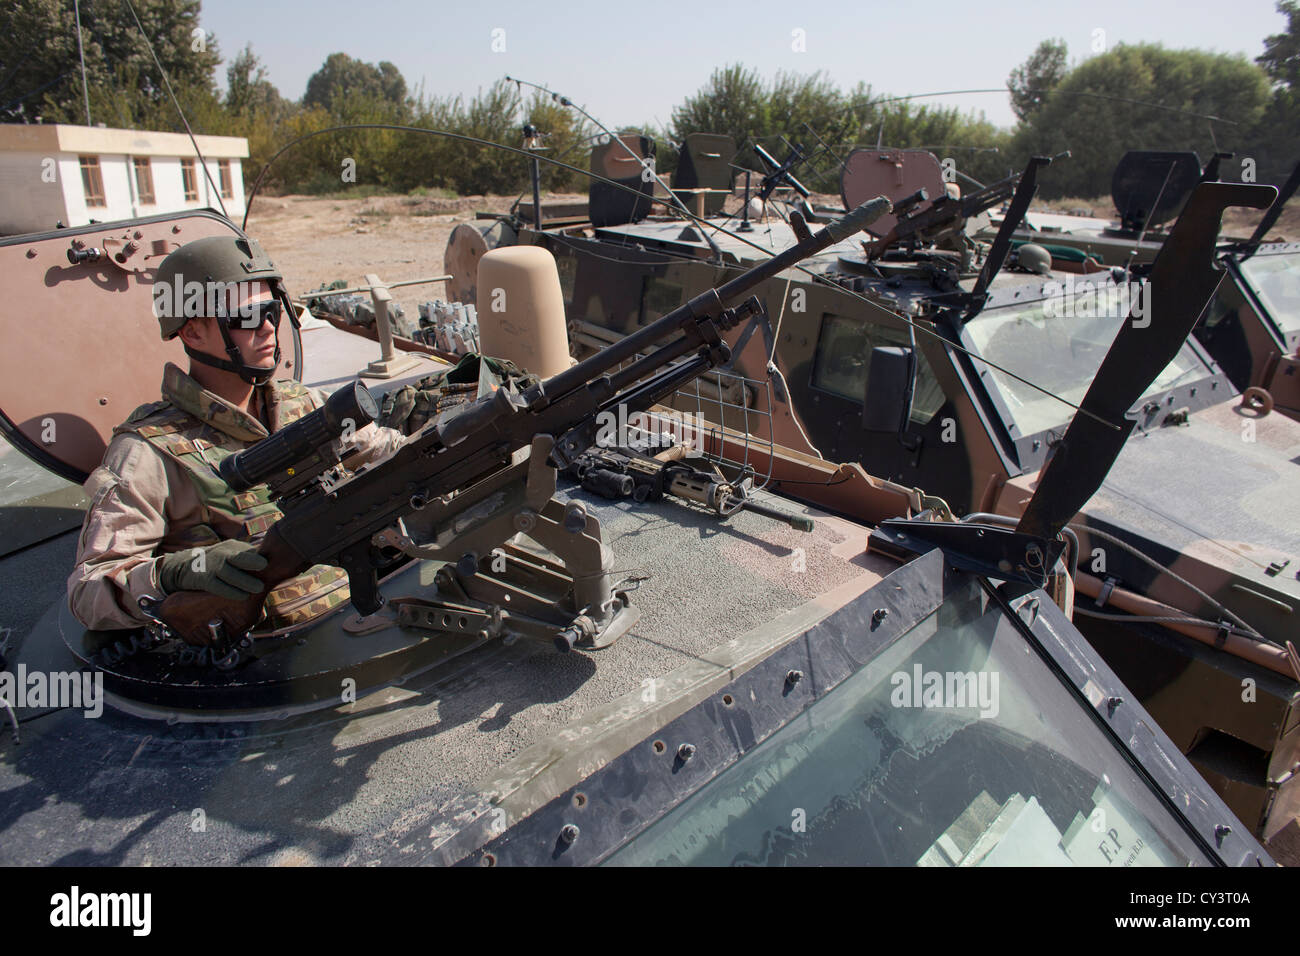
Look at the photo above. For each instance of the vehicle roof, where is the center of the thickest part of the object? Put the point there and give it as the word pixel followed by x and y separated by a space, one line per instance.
pixel 1225 506
pixel 774 235
pixel 336 786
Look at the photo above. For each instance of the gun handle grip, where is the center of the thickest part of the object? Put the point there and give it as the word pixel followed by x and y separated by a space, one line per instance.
pixel 188 613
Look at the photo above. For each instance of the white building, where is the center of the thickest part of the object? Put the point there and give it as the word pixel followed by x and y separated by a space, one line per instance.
pixel 52 173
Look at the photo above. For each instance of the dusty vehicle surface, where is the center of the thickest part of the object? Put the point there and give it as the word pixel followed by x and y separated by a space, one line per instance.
pixel 468 742
pixel 1192 498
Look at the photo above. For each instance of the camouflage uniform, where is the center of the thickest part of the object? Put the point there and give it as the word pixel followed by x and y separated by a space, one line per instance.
pixel 158 491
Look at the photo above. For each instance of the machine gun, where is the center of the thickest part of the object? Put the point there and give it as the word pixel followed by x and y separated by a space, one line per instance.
pixel 624 472
pixel 465 484
pixel 946 214
pixel 780 173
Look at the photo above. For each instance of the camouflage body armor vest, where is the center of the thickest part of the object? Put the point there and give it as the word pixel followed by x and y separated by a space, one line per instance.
pixel 199 447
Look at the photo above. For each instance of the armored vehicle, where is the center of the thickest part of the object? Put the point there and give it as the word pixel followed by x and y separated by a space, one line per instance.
pixel 439 728
pixel 931 366
pixel 1252 328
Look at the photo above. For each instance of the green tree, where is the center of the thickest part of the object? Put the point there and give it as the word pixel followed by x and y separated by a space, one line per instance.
pixel 736 101
pixel 1142 97
pixel 253 108
pixel 342 79
pixel 248 91
pixel 733 102
pixel 1275 143
pixel 568 138
pixel 38 59
pixel 1031 82
pixel 1281 57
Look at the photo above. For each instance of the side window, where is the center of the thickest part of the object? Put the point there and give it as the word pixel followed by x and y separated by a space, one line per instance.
pixel 1219 308
pixel 658 298
pixel 927 397
pixel 843 360
pixel 190 180
pixel 143 180
pixel 92 181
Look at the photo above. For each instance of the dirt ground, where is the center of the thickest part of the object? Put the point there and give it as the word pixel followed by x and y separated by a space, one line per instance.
pixel 1237 222
pixel 399 237
pixel 315 241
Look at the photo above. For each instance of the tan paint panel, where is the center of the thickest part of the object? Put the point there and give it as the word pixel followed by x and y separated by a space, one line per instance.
pixel 83 343
pixel 894 173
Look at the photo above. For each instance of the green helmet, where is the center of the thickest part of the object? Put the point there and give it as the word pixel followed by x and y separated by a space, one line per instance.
pixel 1034 258
pixel 190 283
pixel 216 259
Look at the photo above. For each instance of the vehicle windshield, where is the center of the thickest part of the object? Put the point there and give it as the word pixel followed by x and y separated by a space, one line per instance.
pixel 1276 280
pixel 956 746
pixel 1058 344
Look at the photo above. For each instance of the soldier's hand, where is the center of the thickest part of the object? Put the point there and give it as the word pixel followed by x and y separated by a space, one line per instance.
pixel 219 568
pixel 396 408
pixel 409 408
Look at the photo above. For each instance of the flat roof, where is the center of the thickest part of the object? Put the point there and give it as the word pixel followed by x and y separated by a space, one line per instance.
pixel 65 138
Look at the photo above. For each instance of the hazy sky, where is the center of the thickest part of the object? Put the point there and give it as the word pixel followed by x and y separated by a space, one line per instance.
pixel 631 61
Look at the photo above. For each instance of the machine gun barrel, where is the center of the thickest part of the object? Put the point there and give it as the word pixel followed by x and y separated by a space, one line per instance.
pixel 279 458
pixel 945 211
pixel 709 304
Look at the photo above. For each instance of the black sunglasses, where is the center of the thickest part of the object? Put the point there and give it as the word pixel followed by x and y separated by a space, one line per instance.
pixel 252 316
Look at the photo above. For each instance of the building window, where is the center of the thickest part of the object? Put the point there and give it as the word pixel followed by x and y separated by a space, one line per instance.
pixel 144 181
pixel 227 184
pixel 190 180
pixel 92 181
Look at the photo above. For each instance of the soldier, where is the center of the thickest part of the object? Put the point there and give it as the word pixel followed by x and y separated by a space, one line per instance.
pixel 161 519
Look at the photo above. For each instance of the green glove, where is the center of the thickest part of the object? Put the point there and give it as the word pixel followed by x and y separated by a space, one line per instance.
pixel 218 568
pixel 409 408
pixel 397 408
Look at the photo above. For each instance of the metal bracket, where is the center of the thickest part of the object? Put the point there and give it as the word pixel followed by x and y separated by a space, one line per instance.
pixel 389 364
pixel 1107 586
pixel 485 574
pixel 984 549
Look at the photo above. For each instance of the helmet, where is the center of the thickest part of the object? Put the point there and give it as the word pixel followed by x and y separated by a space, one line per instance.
pixel 184 289
pixel 1034 258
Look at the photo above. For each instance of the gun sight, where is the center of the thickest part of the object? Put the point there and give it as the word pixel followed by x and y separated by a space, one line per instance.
pixel 304 448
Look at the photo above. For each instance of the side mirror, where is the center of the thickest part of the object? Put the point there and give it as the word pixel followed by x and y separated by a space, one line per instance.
pixel 891 376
